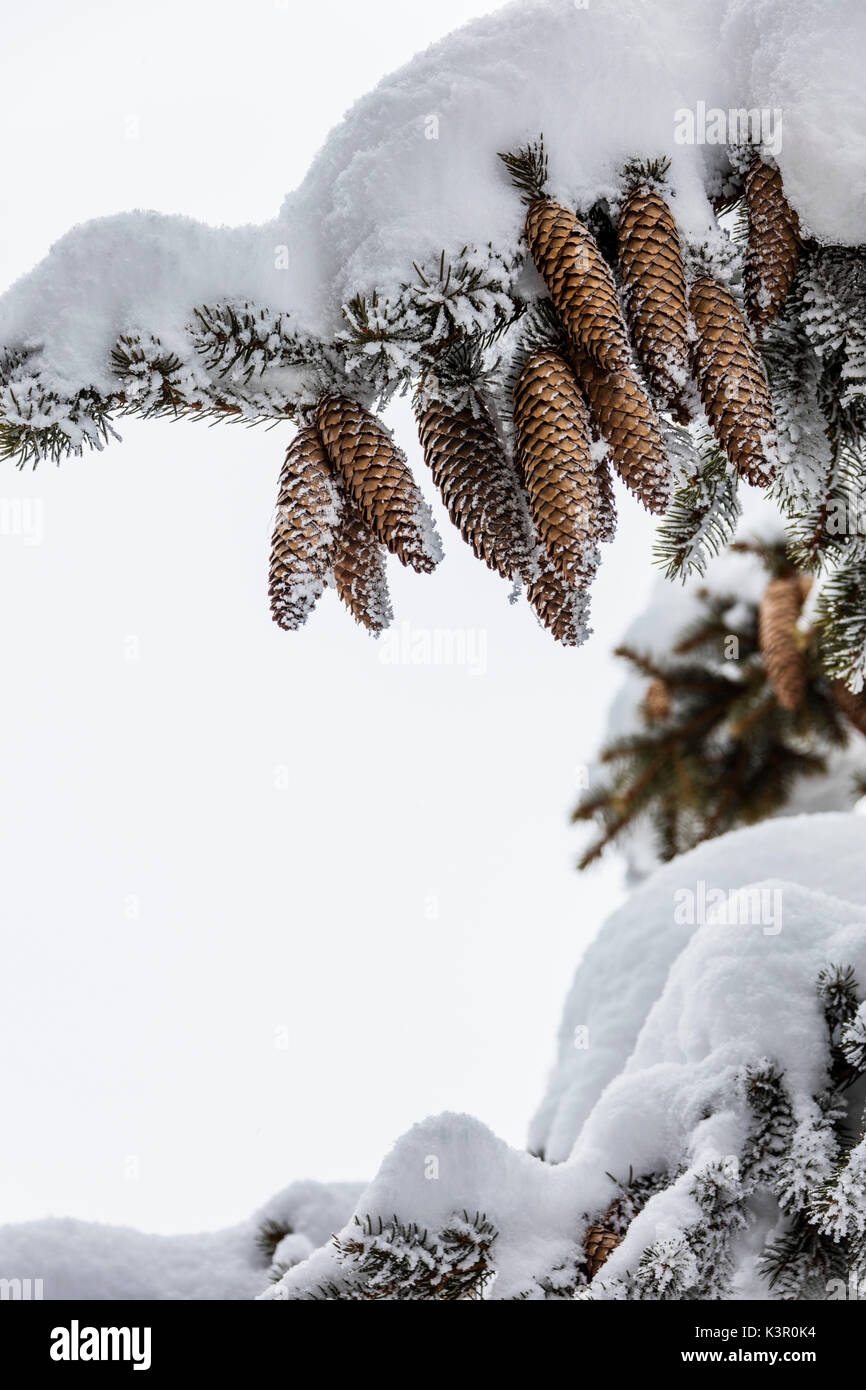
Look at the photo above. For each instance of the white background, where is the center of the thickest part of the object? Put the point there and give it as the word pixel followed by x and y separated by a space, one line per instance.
pixel 266 899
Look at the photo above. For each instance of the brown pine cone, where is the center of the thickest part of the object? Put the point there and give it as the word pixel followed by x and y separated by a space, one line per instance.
pixel 579 280
pixel 623 416
pixel 654 288
pixel 554 453
pixel 657 700
pixel 780 644
pixel 563 610
pixel 773 250
pixel 852 706
pixel 606 525
pixel 378 480
pixel 360 573
pixel 731 381
pixel 599 1244
pixel 478 486
pixel 305 531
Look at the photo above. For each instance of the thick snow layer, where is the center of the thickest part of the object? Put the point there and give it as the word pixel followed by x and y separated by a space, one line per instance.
pixel 625 969
pixel 412 169
pixel 666 1017
pixel 82 1259
pixel 663 1019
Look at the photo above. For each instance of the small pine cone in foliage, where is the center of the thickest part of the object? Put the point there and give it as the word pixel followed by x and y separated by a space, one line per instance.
pixel 555 455
pixel 579 280
pixel 731 381
pixel 478 487
pixel 561 609
pixel 852 706
pixel 378 480
pixel 305 531
pixel 657 700
pixel 599 1244
pixel 654 287
pixel 360 573
pixel 781 645
pixel 623 416
pixel 773 250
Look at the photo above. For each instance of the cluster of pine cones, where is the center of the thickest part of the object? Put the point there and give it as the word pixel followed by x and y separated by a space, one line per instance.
pixel 346 494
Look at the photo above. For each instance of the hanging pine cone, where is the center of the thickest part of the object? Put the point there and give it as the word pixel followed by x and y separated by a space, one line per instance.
pixel 554 452
pixel 478 487
pixel 654 287
pixel 623 416
pixel 657 700
pixel 580 283
pixel 598 1244
pixel 378 480
pixel 305 531
pixel 731 381
pixel 773 250
pixel 781 646
pixel 563 610
pixel 852 706
pixel 606 525
pixel 360 574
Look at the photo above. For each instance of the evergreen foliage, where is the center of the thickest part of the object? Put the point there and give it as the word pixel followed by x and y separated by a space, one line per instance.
pixel 720 750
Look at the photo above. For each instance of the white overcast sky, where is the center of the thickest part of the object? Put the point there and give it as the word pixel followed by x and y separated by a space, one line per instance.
pixel 266 899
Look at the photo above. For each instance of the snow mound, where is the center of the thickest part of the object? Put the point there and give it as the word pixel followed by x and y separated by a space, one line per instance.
pixel 89 1260
pixel 625 968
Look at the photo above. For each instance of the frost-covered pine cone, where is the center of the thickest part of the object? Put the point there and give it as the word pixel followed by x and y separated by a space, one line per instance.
pixel 304 541
pixel 773 250
pixel 782 652
pixel 378 480
pixel 477 483
pixel 623 416
pixel 654 288
pixel 579 280
pixel 360 572
pixel 731 381
pixel 555 455
pixel 561 609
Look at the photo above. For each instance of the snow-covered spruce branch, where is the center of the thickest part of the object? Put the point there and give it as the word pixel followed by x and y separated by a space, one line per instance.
pixel 670 321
